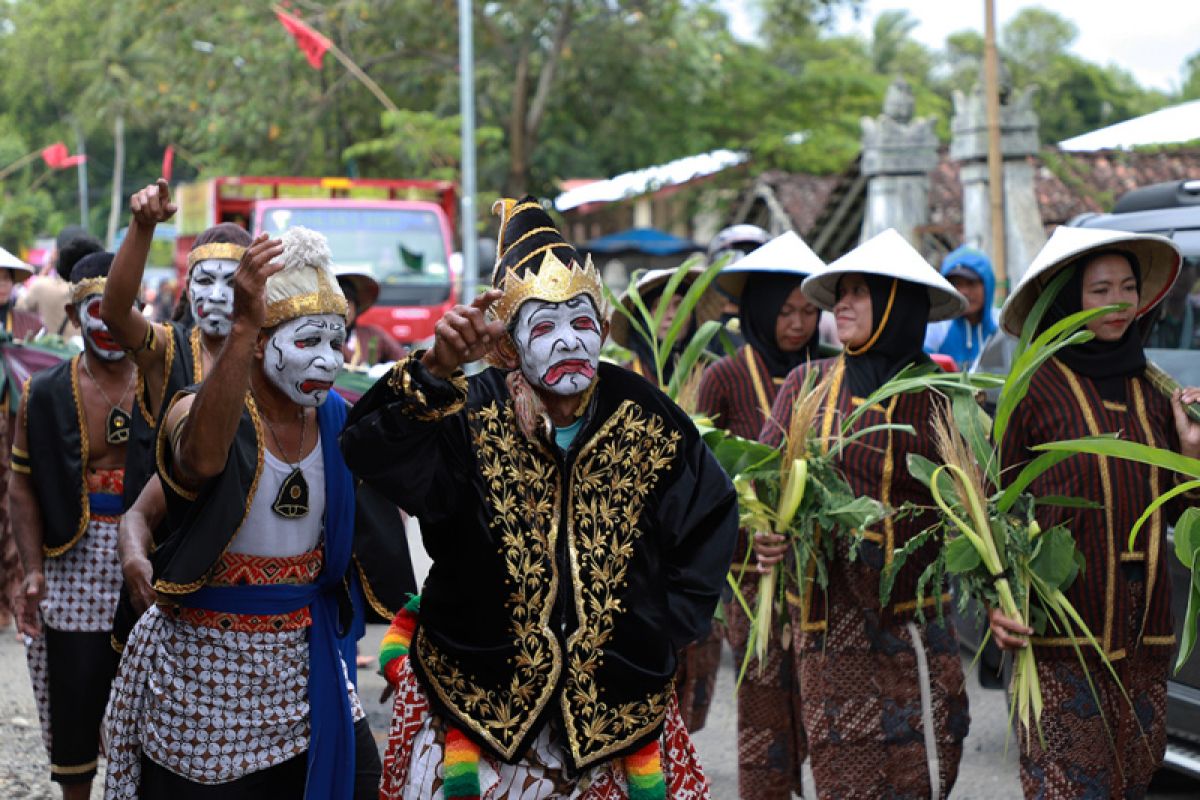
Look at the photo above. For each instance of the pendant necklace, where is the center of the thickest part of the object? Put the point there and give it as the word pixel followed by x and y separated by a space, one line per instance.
pixel 116 425
pixel 292 500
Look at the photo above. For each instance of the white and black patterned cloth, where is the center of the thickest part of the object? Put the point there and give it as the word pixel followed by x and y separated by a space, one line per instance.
pixel 207 704
pixel 82 586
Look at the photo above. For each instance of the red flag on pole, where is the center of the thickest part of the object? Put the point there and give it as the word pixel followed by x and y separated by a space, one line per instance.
pixel 56 157
pixel 168 162
pixel 311 43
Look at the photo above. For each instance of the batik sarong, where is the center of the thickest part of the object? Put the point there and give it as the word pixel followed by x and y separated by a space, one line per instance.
pixel 413 763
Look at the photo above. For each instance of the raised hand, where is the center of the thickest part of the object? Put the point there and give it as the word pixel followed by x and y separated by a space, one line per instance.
pixel 153 205
pixel 250 281
pixel 463 335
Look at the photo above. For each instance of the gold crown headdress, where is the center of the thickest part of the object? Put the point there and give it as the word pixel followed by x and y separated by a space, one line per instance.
pixel 528 236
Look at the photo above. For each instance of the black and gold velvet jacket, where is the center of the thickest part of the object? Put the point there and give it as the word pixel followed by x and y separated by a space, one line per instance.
pixel 563 583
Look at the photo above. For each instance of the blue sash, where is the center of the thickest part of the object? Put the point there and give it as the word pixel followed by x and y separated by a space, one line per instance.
pixel 106 505
pixel 331 724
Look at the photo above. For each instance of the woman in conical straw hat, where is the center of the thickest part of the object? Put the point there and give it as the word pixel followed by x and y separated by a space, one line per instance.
pixel 1101 387
pixel 883 700
pixel 780 328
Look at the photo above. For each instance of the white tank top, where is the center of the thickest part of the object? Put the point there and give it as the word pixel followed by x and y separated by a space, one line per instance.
pixel 265 533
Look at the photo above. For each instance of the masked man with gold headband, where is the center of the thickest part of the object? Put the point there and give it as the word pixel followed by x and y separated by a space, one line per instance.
pixel 580 533
pixel 68 458
pixel 169 356
pixel 235 684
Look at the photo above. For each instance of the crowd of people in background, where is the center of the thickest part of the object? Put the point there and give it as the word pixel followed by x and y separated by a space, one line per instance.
pixel 193 569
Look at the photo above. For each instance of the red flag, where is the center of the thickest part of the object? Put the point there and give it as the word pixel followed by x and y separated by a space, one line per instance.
pixel 56 157
pixel 168 162
pixel 310 42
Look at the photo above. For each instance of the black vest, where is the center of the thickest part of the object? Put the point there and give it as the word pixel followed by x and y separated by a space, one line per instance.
pixel 56 431
pixel 181 369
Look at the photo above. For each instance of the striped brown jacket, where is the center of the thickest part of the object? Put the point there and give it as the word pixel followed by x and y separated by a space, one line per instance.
pixel 874 466
pixel 1062 404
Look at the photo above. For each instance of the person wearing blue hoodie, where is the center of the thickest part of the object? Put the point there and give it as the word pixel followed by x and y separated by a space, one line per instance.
pixel 962 339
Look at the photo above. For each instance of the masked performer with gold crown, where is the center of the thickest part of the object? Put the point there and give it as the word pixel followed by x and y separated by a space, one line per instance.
pixel 235 685
pixel 580 533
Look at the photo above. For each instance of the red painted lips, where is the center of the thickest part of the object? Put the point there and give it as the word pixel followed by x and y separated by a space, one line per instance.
pixel 570 366
pixel 104 341
pixel 309 386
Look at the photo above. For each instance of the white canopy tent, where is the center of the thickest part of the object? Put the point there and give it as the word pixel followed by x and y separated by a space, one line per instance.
pixel 1169 125
pixel 632 184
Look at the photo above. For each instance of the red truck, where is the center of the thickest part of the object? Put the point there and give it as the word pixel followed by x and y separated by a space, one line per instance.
pixel 400 230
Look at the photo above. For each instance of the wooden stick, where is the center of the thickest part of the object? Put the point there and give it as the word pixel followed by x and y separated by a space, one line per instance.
pixel 995 160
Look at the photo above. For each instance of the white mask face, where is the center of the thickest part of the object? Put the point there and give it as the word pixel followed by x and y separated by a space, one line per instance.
pixel 95 332
pixel 210 293
pixel 304 355
pixel 558 344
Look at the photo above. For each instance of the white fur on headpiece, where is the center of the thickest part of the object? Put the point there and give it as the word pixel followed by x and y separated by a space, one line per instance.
pixel 304 247
pixel 306 285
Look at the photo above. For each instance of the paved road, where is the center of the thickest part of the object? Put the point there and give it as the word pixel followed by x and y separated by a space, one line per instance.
pixel 986 774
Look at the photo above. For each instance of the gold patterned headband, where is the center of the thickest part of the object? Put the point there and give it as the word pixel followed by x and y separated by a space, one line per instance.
pixel 87 287
pixel 325 300
pixel 221 250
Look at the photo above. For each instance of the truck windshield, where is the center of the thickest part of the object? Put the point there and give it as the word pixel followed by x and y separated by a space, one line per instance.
pixel 402 247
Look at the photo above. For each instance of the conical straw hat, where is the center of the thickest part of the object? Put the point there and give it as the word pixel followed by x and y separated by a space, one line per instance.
pixel 891 256
pixel 1157 256
pixel 786 254
pixel 707 308
pixel 20 269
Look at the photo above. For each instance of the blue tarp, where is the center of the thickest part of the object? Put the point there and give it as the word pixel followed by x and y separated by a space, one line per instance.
pixel 649 241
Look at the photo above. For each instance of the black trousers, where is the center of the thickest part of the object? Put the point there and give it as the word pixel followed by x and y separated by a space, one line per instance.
pixel 281 782
pixel 81 668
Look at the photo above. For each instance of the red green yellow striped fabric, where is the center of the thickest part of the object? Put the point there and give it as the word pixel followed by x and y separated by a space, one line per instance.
pixel 461 766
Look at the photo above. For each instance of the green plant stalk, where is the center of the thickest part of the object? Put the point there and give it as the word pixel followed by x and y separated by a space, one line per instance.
pixel 764 614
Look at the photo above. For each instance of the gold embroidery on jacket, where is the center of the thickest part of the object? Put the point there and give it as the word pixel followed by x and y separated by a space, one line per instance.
pixel 524 494
pixel 615 472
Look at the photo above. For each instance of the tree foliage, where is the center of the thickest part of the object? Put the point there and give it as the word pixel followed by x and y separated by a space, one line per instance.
pixel 565 88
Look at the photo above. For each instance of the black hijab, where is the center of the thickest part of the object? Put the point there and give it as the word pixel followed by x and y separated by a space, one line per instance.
pixel 758 312
pixel 1107 364
pixel 897 334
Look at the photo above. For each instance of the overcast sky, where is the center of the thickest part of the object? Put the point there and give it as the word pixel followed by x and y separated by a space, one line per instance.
pixel 1150 38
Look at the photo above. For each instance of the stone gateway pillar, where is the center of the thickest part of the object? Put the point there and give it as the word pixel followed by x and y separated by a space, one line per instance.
pixel 898 155
pixel 1024 232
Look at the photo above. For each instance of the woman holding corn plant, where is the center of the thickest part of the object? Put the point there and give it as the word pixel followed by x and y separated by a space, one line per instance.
pixel 884 703
pixel 1095 741
pixel 780 328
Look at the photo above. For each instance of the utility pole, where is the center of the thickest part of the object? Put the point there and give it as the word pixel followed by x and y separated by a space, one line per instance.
pixel 466 100
pixel 81 171
pixel 118 180
pixel 995 159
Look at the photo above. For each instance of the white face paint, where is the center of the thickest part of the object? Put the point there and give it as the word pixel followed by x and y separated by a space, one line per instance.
pixel 210 293
pixel 95 332
pixel 558 344
pixel 304 356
